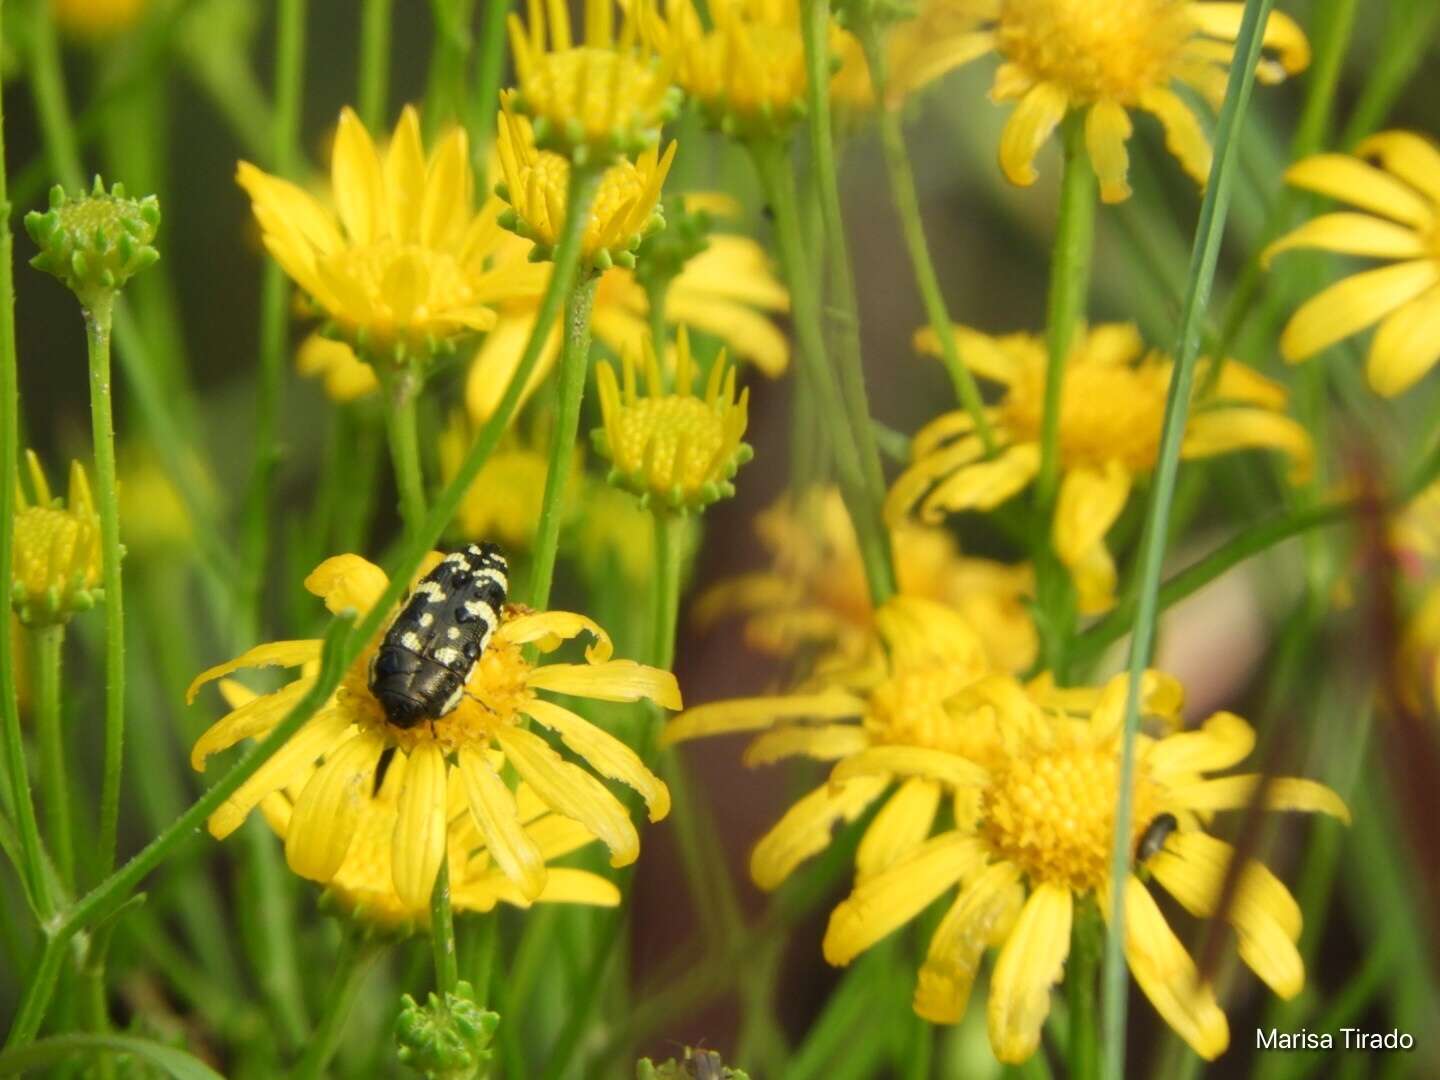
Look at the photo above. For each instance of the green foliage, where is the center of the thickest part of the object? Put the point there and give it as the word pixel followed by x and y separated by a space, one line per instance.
pixel 695 1065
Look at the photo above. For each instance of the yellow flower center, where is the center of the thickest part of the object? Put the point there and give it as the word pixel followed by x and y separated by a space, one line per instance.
pixel 601 90
pixel 1050 811
pixel 1095 49
pixel 674 436
pixel 773 78
pixel 400 283
pixel 621 187
pixel 908 709
pixel 1107 412
pixel 56 562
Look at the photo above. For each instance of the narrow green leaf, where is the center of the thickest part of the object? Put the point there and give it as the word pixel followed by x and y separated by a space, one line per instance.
pixel 66 1048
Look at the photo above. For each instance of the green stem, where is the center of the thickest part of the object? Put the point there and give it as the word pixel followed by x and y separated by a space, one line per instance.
pixel 442 932
pixel 402 391
pixel 570 389
pixel 773 167
pixel 374 90
pixel 49 643
pixel 1080 974
pixel 907 206
pixel 11 741
pixel 489 67
pixel 844 310
pixel 447 93
pixel 656 290
pixel 669 545
pixel 483 934
pixel 340 648
pixel 1208 235
pixel 343 986
pixel 98 317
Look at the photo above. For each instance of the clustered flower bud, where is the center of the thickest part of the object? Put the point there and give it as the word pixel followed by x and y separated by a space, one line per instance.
pixel 94 243
pixel 446 1040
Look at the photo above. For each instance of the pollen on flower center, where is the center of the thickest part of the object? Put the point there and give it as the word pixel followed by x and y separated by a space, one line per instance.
pixel 1051 813
pixel 404 281
pixel 1107 413
pixel 907 708
pixel 1095 49
pixel 679 436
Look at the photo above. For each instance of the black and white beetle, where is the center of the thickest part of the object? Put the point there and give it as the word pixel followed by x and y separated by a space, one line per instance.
pixel 421 668
pixel 1154 837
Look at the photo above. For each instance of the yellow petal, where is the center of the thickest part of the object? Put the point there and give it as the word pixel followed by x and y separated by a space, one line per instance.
pixel 1350 233
pixel 986 485
pixel 445 209
pixel 933 57
pixel 1030 963
pixel 356 182
pixel 1281 793
pixel 1351 180
pixel 1090 500
pixel 1032 122
pixel 986 356
pixel 983 914
pixel 300 217
pixel 566 885
pixel 1107 126
pixel 884 761
pixel 347 583
pixel 418 845
pixel 1413 158
pixel 405 176
pixel 283 653
pixel 492 805
pixel 250 719
pixel 805 828
pixel 910 487
pixel 570 790
pixel 758 713
pixel 1352 304
pixel 1184 137
pixel 614 680
pixel 1282 33
pixel 1222 431
pixel 823 742
pixel 886 902
pixel 1223 740
pixel 604 753
pixel 496 361
pixel 899 828
pixel 548 628
pixel 1168 976
pixel 1406 345
pixel 326 814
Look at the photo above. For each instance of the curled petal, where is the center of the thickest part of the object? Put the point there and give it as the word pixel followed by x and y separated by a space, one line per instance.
pixel 347 583
pixel 1032 122
pixel 604 753
pixel 982 915
pixel 805 828
pixel 283 653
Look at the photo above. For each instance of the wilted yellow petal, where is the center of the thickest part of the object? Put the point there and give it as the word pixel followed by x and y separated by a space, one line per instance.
pixel 1030 963
pixel 613 680
pixel 604 753
pixel 758 713
pixel 805 828
pixel 492 805
pixel 347 583
pixel 983 914
pixel 900 827
pixel 283 653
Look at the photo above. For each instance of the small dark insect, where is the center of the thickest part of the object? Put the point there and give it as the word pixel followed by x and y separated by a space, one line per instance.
pixel 421 668
pixel 1154 837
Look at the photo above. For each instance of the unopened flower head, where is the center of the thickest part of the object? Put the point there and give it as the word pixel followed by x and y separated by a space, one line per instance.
pixel 1394 178
pixel 1111 414
pixel 94 243
pixel 600 100
pixel 1032 840
pixel 400 267
pixel 345 376
pixel 57 567
pixel 677 449
pixel 625 208
pixel 1100 58
pixel 448 1036
pixel 464 750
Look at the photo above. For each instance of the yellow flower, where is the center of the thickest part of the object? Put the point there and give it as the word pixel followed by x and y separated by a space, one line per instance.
pixel 814 598
pixel 347 378
pixel 96 18
pixel 603 99
pixel 56 565
pixel 462 749
pixel 883 723
pixel 503 504
pixel 1032 838
pixel 625 210
pixel 728 290
pixel 1111 415
pixel 673 447
pixel 1101 58
pixel 403 269
pixel 1402 194
pixel 153 516
pixel 364 884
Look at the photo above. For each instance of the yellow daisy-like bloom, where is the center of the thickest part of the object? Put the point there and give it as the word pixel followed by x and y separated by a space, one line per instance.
pixel 352 739
pixel 603 99
pixel 882 722
pixel 674 447
pixel 345 376
pixel 728 290
pixel 97 18
pixel 1395 176
pixel 503 504
pixel 364 885
pixel 1111 414
pixel 814 600
pixel 1032 839
pixel 1100 58
pixel 403 269
pixel 625 209
pixel 56 564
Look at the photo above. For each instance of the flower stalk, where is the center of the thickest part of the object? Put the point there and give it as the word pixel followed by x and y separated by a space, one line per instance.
pixel 442 931
pixel 357 955
pixel 402 391
pixel 48 643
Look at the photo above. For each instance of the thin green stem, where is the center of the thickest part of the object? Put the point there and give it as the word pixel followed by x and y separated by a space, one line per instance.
pixel 489 67
pixel 570 389
pixel 1080 976
pixel 98 318
pixel 669 545
pixel 442 932
pixel 343 986
pixel 657 288
pixel 1208 235
pixel 373 96
pixel 843 309
pixel 483 934
pixel 48 644
pixel 447 95
pixel 773 167
pixel 907 207
pixel 402 390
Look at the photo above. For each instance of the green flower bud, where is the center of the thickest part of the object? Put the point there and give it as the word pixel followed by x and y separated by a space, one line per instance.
pixel 94 243
pixel 447 1040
